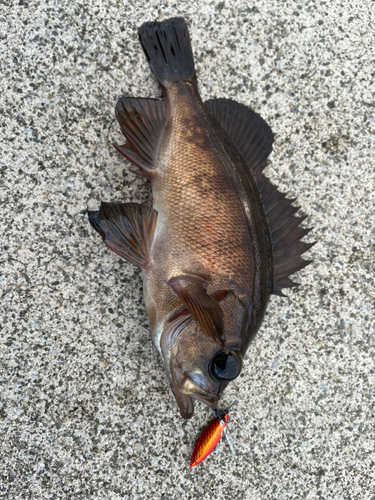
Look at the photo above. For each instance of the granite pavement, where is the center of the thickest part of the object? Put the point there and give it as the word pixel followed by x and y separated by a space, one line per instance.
pixel 85 407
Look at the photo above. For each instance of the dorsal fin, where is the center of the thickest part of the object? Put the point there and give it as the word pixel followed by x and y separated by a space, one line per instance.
pixel 127 229
pixel 142 122
pixel 253 139
pixel 191 290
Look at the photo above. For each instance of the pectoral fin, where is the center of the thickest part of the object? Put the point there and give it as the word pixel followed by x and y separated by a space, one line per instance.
pixel 127 229
pixel 191 290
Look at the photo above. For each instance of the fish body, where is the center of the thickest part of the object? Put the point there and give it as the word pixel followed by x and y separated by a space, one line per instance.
pixel 219 239
pixel 203 229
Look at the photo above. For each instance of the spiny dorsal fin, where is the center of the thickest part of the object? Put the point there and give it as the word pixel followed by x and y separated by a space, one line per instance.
pixel 253 139
pixel 127 229
pixel 191 290
pixel 142 122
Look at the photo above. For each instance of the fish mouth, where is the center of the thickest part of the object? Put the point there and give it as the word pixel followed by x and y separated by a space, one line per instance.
pixel 191 390
pixel 210 401
pixel 185 402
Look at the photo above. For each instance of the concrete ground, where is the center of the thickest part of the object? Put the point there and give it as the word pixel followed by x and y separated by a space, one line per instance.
pixel 85 409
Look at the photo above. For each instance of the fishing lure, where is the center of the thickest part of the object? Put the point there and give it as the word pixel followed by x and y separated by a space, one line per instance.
pixel 209 438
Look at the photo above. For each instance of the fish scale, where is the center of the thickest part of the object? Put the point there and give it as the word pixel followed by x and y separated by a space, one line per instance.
pixel 194 182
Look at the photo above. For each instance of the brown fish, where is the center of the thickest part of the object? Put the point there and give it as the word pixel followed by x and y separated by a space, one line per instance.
pixel 220 237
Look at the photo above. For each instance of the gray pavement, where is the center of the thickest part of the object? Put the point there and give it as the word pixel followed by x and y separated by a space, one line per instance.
pixel 85 407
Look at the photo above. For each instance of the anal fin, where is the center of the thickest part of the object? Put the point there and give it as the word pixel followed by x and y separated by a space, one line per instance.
pixel 127 229
pixel 191 290
pixel 142 122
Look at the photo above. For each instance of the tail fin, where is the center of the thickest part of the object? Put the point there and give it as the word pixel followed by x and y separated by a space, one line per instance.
pixel 168 50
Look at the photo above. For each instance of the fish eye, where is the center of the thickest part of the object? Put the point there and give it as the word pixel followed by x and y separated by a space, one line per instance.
pixel 226 366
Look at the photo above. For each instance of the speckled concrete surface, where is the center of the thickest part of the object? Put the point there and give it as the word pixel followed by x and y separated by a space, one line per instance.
pixel 85 410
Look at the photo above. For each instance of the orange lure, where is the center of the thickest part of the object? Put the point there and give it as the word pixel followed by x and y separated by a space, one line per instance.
pixel 208 440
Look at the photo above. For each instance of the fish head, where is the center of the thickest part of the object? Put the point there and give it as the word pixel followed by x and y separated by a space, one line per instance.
pixel 198 369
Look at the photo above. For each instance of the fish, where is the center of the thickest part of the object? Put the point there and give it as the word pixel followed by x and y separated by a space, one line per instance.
pixel 219 239
pixel 209 439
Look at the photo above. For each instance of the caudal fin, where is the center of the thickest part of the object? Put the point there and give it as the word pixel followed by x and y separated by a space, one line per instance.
pixel 168 50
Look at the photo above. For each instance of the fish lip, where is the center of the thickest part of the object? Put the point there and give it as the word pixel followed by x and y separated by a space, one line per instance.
pixel 191 388
pixel 184 402
pixel 211 401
